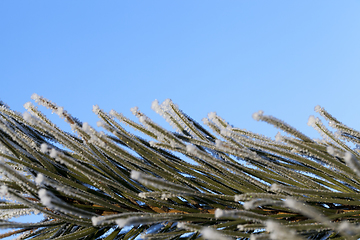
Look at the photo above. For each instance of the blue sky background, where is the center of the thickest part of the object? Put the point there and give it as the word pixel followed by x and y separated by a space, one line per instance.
pixel 232 57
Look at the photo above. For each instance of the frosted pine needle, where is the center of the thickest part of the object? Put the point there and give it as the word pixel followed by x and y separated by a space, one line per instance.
pixel 200 182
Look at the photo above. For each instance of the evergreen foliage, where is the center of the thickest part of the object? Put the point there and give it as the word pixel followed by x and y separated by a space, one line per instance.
pixel 188 184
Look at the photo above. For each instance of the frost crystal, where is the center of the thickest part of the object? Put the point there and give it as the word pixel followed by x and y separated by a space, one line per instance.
pixel 99 123
pixel 53 153
pixel 27 105
pixel 142 195
pixel 27 116
pixel 330 150
pixel 348 157
pixel 277 231
pixel 155 106
pixel 44 148
pixel 205 121
pixel 181 225
pixel 134 110
pixel 112 112
pixel 219 213
pixel 85 127
pixel 311 121
pixel 95 220
pixel 39 179
pixel 278 137
pixel 291 203
pixel 135 175
pixel 191 148
pixel 35 97
pixel 142 119
pixel 45 197
pixel 123 222
pixel 249 205
pixel 275 187
pixel 212 116
pixel 96 109
pixel 60 112
pixel 3 190
pixel 212 234
pixel 257 116
pixel 317 109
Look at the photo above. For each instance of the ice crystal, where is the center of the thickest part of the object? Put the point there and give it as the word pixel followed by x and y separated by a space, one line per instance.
pixel 211 234
pixel 257 115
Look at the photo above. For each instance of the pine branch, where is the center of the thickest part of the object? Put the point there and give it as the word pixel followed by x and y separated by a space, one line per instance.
pixel 188 184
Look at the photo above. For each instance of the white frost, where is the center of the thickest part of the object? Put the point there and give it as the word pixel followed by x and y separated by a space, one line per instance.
pixel 212 234
pixel 348 157
pixel 311 121
pixel 100 123
pixel 278 137
pixel 45 197
pixel 317 108
pixel 53 153
pixel 142 119
pixel 96 109
pixel 249 205
pixel 43 147
pixel 134 110
pixel 142 195
pixel 155 106
pixel 112 112
pixel 218 143
pixel 95 220
pixel 181 225
pixel 27 117
pixel 123 222
pixel 39 179
pixel 212 116
pixel 136 175
pixel 291 203
pixel 257 115
pixel 275 187
pixel 219 213
pixel 330 150
pixel 191 148
pixel 60 111
pixel 85 127
pixel 205 121
pixel 35 97
pixel 3 190
pixel 27 105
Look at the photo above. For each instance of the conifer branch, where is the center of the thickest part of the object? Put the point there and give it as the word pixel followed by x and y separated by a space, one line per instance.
pixel 188 184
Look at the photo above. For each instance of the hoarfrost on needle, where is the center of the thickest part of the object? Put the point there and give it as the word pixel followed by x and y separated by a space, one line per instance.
pixel 85 127
pixel 27 117
pixel 136 175
pixel 257 115
pixel 96 109
pixel 35 97
pixel 45 197
pixel 27 105
pixel 311 121
pixel 155 106
pixel 191 148
pixel 134 110
pixel 278 137
pixel 39 179
pixel 3 190
pixel 330 150
pixel 53 153
pixel 43 147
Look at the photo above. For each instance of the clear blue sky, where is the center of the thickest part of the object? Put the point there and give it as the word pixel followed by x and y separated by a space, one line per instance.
pixel 232 57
